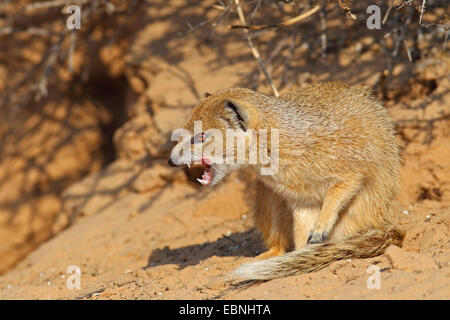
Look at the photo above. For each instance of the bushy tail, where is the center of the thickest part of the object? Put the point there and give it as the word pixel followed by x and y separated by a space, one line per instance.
pixel 317 256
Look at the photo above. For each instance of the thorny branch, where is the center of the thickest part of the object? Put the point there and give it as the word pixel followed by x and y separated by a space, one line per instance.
pixel 255 51
pixel 281 31
pixel 404 30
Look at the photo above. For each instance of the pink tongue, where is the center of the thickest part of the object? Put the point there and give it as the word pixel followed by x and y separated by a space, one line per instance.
pixel 207 175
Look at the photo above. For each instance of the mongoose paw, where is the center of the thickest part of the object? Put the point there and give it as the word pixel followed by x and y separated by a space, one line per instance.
pixel 317 237
pixel 272 252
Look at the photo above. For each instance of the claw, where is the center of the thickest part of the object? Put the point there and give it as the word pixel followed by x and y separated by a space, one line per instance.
pixel 202 181
pixel 317 237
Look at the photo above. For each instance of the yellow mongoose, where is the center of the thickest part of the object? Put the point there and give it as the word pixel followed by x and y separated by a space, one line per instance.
pixel 337 172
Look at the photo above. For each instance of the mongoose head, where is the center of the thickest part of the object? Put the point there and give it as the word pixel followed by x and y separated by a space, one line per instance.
pixel 209 135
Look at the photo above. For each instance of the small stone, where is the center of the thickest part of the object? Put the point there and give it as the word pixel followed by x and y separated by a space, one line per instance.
pixel 214 283
pixel 137 84
pixel 133 214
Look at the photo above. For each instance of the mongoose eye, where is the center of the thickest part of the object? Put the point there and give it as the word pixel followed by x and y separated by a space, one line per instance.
pixel 199 138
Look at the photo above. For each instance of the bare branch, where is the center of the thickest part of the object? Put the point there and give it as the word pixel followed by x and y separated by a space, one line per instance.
pixel 53 4
pixel 73 42
pixel 421 11
pixel 323 31
pixel 254 50
pixel 218 20
pixel 286 23
pixel 345 5
pixel 50 61
pixel 386 16
pixel 408 53
pixel 31 31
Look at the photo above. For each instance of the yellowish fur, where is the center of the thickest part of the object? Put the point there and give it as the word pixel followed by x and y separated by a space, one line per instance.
pixel 338 171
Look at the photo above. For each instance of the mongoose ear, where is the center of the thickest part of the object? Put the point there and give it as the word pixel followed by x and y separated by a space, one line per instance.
pixel 207 94
pixel 236 114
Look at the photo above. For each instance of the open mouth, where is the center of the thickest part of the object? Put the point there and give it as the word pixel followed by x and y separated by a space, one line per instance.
pixel 208 173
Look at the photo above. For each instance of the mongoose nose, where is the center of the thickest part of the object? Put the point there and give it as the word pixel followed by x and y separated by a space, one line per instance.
pixel 171 163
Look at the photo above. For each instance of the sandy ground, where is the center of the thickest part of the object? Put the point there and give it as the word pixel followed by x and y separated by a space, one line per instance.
pixel 139 229
pixel 177 242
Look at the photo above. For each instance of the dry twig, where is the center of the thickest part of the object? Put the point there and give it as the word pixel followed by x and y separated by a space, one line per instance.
pixel 386 16
pixel 53 4
pixel 255 52
pixel 345 5
pixel 286 23
pixel 422 8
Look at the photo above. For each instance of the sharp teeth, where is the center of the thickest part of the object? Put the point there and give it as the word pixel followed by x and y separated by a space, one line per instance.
pixel 203 182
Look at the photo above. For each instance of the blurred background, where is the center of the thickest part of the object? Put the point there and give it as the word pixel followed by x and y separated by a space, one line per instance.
pixel 81 109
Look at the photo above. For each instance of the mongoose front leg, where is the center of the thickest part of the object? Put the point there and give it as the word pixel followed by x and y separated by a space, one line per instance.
pixel 304 220
pixel 274 220
pixel 335 200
